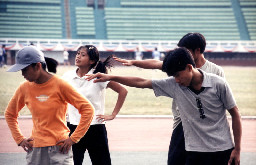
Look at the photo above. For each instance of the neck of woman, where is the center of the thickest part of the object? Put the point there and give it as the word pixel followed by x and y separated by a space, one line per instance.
pixel 82 71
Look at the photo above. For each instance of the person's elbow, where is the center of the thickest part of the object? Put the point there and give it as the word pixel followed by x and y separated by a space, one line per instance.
pixel 159 65
pixel 90 113
pixel 87 110
pixel 123 92
pixel 145 84
pixel 92 110
pixel 234 112
pixel 8 115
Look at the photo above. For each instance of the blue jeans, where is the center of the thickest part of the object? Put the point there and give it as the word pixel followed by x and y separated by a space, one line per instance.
pixel 96 142
pixel 177 152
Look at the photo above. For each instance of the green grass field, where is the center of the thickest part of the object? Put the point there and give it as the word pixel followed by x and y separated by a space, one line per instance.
pixel 142 101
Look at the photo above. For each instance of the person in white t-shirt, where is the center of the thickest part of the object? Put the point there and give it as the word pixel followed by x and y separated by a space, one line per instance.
pixel 95 140
pixel 195 43
pixel 1 56
pixel 156 54
pixel 66 57
pixel 138 54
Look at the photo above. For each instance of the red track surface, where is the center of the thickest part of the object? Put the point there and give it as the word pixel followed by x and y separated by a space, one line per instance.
pixel 131 134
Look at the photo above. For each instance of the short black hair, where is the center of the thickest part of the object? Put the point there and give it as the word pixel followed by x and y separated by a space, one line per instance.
pixel 193 41
pixel 177 60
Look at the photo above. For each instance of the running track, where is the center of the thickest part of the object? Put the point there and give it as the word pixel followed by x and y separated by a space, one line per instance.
pixel 131 134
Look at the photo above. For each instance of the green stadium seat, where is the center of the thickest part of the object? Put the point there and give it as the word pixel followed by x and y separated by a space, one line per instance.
pixel 85 24
pixel 248 3
pixel 250 19
pixel 152 23
pixel 37 36
pixel 130 19
pixel 164 3
pixel 35 1
pixel 31 21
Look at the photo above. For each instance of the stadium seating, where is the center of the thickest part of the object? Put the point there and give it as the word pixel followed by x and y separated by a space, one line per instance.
pixel 249 3
pixel 248 8
pixel 170 23
pixel 169 3
pixel 31 21
pixel 128 19
pixel 34 1
pixel 85 21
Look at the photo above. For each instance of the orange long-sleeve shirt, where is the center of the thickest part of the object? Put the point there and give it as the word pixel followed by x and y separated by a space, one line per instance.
pixel 47 103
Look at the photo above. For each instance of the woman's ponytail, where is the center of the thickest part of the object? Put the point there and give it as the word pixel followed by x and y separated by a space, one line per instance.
pixel 103 66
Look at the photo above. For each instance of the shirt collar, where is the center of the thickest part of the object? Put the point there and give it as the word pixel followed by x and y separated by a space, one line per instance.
pixel 74 74
pixel 206 80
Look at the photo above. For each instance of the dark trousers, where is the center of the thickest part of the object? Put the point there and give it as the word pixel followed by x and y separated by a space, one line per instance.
pixel 1 58
pixel 179 156
pixel 209 158
pixel 96 142
pixel 5 59
pixel 177 152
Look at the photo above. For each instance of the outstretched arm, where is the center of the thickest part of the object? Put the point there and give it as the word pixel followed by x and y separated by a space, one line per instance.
pixel 129 81
pixel 146 64
pixel 122 92
pixel 237 132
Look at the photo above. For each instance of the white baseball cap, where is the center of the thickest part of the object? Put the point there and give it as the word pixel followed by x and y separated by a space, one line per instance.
pixel 26 56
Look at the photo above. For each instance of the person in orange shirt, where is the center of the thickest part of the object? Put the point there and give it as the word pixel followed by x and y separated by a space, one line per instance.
pixel 46 96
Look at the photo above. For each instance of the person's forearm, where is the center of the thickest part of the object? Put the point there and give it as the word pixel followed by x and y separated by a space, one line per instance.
pixel 12 113
pixel 237 132
pixel 87 114
pixel 132 81
pixel 120 101
pixel 12 122
pixel 148 64
pixel 237 129
pixel 84 107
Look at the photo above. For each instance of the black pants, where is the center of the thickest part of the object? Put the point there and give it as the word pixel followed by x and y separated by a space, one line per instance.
pixel 209 158
pixel 96 142
pixel 179 156
pixel 177 152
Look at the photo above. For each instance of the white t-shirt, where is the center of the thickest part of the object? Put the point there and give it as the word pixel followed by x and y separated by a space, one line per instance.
pixel 208 67
pixel 65 55
pixel 1 51
pixel 94 92
pixel 212 133
pixel 138 55
pixel 156 55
